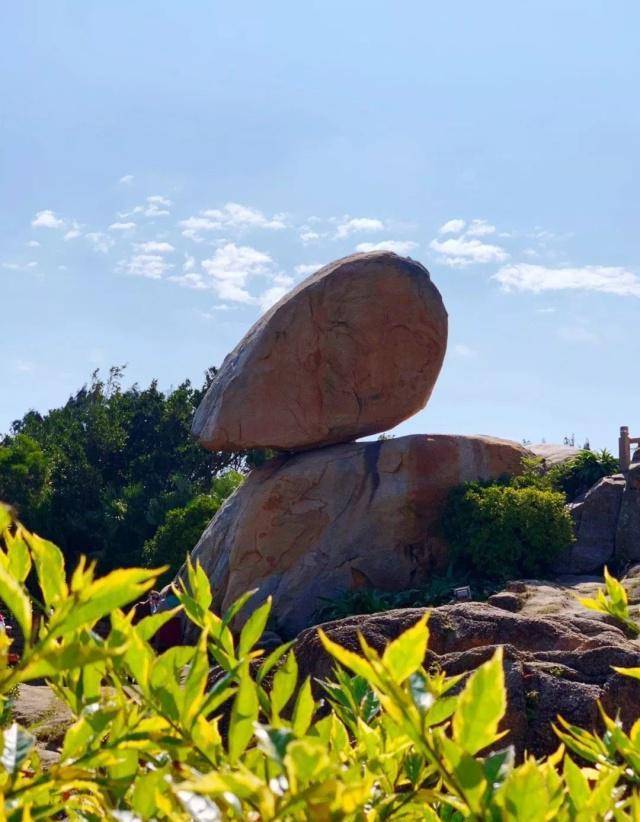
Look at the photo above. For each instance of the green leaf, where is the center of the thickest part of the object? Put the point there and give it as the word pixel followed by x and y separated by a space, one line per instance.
pixel 19 559
pixel 16 600
pixel 244 714
pixel 49 563
pixel 524 794
pixel 272 660
pixel 481 706
pixel 6 518
pixel 303 709
pixel 17 744
pixel 254 628
pixel 284 684
pixel 352 661
pixel 405 655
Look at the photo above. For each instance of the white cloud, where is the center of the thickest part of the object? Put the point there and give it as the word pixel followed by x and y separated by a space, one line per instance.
pixel 189 263
pixel 47 219
pixel 539 278
pixel 73 233
pixel 459 252
pixel 353 225
pixel 308 235
pixel 155 247
pixel 151 266
pixel 304 269
pixel 154 206
pixel 232 216
pixel 231 267
pixel 548 310
pixel 33 244
pixel 190 279
pixel 118 226
pixel 126 179
pixel 480 228
pixel 452 227
pixel 99 241
pixel 399 246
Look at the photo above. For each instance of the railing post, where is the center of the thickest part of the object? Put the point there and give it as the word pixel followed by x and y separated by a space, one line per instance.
pixel 624 449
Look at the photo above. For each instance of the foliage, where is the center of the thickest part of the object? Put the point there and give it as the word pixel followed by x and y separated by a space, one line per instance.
pixel 183 526
pixel 505 531
pixel 573 477
pixel 104 470
pixel 613 602
pixel 438 591
pixel 149 741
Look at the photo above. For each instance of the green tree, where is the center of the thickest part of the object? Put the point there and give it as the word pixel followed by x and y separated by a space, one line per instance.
pixel 100 473
pixel 183 526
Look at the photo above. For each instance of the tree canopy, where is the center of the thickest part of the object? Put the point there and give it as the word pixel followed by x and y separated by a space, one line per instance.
pixel 99 475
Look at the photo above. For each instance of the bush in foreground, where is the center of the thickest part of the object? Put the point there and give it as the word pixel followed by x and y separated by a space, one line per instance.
pixel 398 741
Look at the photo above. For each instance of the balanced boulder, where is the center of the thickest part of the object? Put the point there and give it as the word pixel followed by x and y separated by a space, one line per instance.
pixel 311 526
pixel 353 350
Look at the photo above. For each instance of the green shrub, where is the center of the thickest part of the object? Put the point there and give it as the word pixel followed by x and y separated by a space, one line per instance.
pixel 398 742
pixel 577 475
pixel 183 527
pixel 503 531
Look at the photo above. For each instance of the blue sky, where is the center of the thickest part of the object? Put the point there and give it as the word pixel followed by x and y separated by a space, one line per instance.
pixel 169 168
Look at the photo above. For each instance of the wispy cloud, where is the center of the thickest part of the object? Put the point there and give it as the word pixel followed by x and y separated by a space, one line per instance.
pixel 598 278
pixel 151 266
pixel 232 216
pixel 154 206
pixel 99 241
pixel 464 351
pixel 33 244
pixel 459 252
pixel 126 179
pixel 399 246
pixel 480 228
pixel 452 227
pixel 232 266
pixel 155 247
pixel 356 225
pixel 120 226
pixel 20 266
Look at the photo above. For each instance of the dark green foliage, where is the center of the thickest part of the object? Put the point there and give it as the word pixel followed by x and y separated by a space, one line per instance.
pixel 582 472
pixel 183 526
pixel 371 600
pixel 505 531
pixel 101 473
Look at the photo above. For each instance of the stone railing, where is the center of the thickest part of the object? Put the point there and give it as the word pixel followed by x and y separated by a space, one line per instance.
pixel 625 442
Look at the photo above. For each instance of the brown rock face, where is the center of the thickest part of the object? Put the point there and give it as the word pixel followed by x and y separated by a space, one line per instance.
pixel 316 524
pixel 557 660
pixel 354 349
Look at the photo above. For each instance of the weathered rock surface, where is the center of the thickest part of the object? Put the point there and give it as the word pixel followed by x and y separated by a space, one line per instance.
pixel 364 514
pixel 558 656
pixel 353 350
pixel 607 525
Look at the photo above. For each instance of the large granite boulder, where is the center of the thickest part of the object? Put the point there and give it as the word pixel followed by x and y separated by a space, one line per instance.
pixel 553 454
pixel 607 525
pixel 558 658
pixel 313 525
pixel 353 350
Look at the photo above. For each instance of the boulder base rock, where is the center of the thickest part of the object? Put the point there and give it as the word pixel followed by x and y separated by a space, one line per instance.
pixel 353 350
pixel 366 514
pixel 558 660
pixel 607 525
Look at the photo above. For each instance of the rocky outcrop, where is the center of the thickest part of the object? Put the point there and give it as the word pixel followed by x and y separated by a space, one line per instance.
pixel 553 454
pixel 353 350
pixel 365 514
pixel 607 525
pixel 558 658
